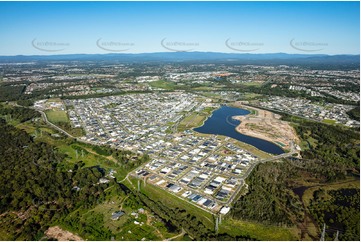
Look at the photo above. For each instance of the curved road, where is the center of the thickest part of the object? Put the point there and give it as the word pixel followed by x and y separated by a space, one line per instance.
pixel 53 125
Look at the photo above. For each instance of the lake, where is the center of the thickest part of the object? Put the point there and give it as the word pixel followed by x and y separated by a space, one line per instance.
pixel 222 123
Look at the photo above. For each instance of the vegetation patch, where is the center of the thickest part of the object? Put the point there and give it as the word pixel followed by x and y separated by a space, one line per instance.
pixel 339 210
pixel 354 113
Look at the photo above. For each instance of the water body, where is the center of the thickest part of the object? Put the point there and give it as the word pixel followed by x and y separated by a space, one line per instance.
pixel 222 123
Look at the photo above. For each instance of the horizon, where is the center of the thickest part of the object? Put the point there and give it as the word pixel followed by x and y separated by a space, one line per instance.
pixel 61 28
pixel 189 52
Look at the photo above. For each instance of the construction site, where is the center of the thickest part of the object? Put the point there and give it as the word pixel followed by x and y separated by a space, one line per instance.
pixel 266 125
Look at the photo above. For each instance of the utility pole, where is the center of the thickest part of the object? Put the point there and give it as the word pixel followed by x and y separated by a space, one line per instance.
pixel 220 218
pixel 82 153
pixel 138 185
pixel 76 153
pixel 145 182
pixel 323 232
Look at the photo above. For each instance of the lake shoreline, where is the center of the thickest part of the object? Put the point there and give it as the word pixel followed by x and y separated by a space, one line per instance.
pixel 217 123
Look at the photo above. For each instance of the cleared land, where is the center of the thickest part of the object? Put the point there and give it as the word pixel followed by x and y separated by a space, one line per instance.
pixel 62 235
pixel 266 125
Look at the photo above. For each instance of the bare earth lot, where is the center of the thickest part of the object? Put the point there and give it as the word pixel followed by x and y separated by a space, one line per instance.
pixel 62 235
pixel 266 125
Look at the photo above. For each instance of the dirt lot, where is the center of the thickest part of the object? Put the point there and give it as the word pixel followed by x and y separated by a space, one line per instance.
pixel 266 125
pixel 62 235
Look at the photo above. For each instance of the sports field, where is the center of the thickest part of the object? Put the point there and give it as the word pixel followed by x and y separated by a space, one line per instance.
pixel 57 116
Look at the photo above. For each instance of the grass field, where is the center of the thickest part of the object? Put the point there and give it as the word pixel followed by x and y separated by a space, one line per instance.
pixel 256 84
pixel 310 141
pixel 54 99
pixel 253 150
pixel 211 95
pixel 203 88
pixel 60 118
pixel 250 95
pixel 329 121
pixel 163 84
pixel 192 121
pixel 57 116
pixel 257 230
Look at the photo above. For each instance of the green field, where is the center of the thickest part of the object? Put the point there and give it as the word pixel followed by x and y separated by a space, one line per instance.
pixel 329 121
pixel 257 230
pixel 305 144
pixel 250 95
pixel 57 116
pixel 255 84
pixel 163 84
pixel 192 121
pixel 61 119
pixel 253 150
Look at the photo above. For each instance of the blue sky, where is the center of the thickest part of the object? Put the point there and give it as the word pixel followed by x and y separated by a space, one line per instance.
pixel 34 28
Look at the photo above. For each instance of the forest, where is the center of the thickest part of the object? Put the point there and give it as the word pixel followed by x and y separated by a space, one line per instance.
pixel 18 113
pixel 340 210
pixel 37 188
pixel 11 92
pixel 335 148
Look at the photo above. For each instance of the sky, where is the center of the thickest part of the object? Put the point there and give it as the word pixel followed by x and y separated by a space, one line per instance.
pixel 43 28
